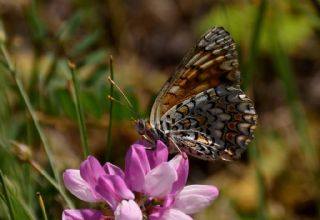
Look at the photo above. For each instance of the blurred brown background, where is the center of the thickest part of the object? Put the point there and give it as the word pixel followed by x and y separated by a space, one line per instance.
pixel 278 44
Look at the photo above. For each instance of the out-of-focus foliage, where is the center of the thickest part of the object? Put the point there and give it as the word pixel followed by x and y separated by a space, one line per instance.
pixel 278 44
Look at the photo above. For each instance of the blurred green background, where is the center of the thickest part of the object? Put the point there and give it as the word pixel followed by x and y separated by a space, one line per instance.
pixel 41 111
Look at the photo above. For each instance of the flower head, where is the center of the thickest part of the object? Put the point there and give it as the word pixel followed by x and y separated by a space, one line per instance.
pixel 149 188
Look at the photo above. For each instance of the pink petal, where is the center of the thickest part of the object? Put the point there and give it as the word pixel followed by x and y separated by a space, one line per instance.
pixel 181 163
pixel 159 181
pixel 174 214
pixel 111 169
pixel 159 155
pixel 91 170
pixel 79 187
pixel 155 215
pixel 193 198
pixel 128 210
pixel 113 190
pixel 137 166
pixel 81 214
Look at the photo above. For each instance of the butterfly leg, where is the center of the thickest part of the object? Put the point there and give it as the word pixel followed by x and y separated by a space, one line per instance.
pixel 172 142
pixel 149 144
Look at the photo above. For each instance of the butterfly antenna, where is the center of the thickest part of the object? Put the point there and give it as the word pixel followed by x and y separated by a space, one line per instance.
pixel 120 90
pixel 115 100
pixel 121 103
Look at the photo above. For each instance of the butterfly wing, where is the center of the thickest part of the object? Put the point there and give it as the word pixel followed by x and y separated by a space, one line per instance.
pixel 216 123
pixel 212 62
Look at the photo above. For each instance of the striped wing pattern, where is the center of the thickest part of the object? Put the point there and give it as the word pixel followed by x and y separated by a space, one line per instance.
pixel 216 123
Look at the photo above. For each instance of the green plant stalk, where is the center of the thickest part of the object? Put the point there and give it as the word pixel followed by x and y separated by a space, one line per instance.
pixel 79 110
pixel 42 206
pixel 53 182
pixel 254 44
pixel 247 78
pixel 109 134
pixel 27 173
pixel 25 98
pixel 6 195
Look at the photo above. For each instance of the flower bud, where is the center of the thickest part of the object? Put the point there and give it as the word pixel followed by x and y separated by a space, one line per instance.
pixel 22 151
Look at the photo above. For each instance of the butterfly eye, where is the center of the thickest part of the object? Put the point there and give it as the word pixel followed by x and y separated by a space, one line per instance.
pixel 141 127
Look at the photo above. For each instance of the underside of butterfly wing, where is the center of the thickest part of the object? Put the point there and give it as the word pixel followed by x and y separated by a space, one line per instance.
pixel 216 123
pixel 212 62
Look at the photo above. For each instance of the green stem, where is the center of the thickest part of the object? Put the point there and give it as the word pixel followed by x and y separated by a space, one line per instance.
pixel 109 135
pixel 54 183
pixel 257 27
pixel 79 110
pixel 26 100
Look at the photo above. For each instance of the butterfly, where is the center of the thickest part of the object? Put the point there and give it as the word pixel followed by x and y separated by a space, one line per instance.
pixel 201 109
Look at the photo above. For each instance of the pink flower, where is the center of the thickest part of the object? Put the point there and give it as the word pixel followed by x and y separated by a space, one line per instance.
pixel 149 188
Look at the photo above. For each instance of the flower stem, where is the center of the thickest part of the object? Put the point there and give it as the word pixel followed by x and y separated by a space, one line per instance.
pixel 109 135
pixel 79 110
pixel 37 167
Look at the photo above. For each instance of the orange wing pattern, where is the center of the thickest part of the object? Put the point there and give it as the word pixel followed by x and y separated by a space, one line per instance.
pixel 212 62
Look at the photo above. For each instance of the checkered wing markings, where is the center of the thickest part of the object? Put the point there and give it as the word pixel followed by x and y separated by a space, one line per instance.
pixel 215 123
pixel 212 62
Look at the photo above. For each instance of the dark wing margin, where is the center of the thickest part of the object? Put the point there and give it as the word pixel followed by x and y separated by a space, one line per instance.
pixel 214 61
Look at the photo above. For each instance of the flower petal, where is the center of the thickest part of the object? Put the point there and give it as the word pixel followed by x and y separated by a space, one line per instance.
pixel 79 187
pixel 113 190
pixel 81 214
pixel 193 198
pixel 91 170
pixel 181 163
pixel 137 166
pixel 111 169
pixel 159 181
pixel 155 215
pixel 159 155
pixel 174 214
pixel 128 210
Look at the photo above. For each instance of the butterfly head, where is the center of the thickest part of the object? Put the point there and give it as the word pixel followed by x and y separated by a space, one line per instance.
pixel 141 126
pixel 147 131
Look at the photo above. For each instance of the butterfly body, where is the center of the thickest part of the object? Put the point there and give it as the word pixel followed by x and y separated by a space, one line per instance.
pixel 201 109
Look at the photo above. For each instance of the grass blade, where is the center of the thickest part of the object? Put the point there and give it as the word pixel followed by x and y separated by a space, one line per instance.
pixel 13 72
pixel 6 195
pixel 53 183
